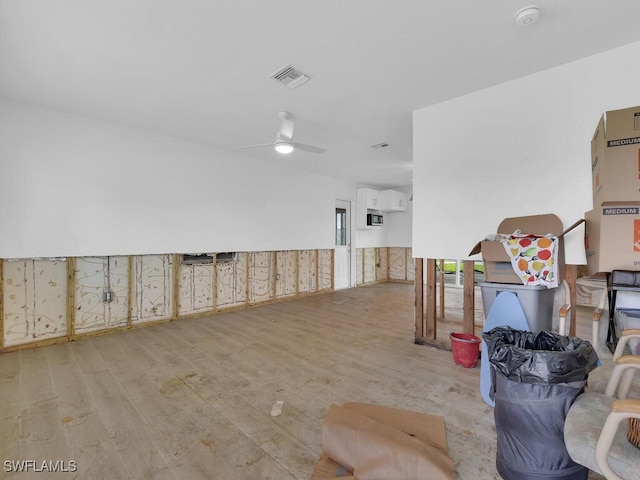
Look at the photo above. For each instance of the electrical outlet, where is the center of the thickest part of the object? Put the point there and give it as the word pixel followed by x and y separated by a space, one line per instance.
pixel 107 296
pixel 277 277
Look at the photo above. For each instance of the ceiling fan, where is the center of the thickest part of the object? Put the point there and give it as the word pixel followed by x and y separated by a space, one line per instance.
pixel 284 139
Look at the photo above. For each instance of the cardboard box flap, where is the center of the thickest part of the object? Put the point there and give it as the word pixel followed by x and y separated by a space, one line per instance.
pixel 533 224
pixel 493 252
pixel 477 248
pixel 574 225
pixel 498 266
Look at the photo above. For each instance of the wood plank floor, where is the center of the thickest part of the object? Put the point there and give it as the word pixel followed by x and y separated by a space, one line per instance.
pixel 192 398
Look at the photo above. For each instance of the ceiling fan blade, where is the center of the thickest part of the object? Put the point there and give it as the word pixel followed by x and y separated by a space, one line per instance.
pixel 309 148
pixel 257 145
pixel 285 136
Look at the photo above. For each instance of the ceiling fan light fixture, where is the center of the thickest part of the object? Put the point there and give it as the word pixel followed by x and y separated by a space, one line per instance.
pixel 284 147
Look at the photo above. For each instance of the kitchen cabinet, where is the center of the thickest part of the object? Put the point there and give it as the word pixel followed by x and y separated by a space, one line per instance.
pixel 367 201
pixel 393 201
pixel 372 198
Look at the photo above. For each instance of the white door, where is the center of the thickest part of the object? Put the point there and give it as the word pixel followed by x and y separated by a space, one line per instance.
pixel 342 256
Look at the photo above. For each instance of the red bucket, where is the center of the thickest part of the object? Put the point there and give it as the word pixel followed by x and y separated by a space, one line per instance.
pixel 465 348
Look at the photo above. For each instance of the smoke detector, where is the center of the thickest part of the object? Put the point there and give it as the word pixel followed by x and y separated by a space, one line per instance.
pixel 527 16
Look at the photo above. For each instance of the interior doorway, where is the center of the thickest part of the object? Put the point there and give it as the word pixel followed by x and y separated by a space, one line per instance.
pixel 342 255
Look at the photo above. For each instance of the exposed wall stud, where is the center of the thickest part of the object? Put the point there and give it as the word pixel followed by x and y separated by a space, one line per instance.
pixel 318 287
pixel 431 299
pixel 246 278
pixel 419 301
pixel 71 311
pixel 441 264
pixel 297 271
pixel 468 311
pixel 131 285
pixel 274 269
pixel 214 283
pixel 176 287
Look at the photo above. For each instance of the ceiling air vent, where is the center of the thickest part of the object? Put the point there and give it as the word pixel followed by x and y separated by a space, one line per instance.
pixel 380 146
pixel 289 76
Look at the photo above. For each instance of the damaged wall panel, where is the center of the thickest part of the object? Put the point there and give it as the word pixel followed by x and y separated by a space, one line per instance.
pixel 411 265
pixel 53 298
pixel 195 288
pixel 152 288
pixel 231 277
pixel 359 266
pixel 34 300
pixel 369 267
pixel 101 293
pixel 261 276
pixel 286 273
pixel 307 272
pixel 397 263
pixel 325 270
pixel 381 264
pixel 384 263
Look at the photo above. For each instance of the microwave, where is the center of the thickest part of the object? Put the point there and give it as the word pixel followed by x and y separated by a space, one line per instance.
pixel 374 219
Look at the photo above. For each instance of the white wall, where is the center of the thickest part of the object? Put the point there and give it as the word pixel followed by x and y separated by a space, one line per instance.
pixel 400 224
pixel 520 148
pixel 372 237
pixel 71 186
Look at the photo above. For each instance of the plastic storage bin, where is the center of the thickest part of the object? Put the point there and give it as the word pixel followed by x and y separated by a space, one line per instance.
pixel 536 302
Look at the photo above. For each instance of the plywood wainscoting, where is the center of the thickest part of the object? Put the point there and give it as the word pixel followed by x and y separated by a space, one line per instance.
pixel 51 300
pixel 380 264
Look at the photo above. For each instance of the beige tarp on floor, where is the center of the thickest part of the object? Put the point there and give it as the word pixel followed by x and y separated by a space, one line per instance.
pixel 381 443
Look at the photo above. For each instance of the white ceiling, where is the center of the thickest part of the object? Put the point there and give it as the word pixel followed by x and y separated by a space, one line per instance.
pixel 199 69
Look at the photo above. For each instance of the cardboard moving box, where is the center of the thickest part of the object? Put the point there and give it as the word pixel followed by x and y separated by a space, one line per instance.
pixel 615 157
pixel 612 238
pixel 497 264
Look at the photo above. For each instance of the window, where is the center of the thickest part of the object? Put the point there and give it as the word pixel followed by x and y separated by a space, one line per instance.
pixel 341 226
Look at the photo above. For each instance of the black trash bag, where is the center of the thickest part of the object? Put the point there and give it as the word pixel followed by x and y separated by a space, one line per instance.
pixel 540 358
pixel 536 377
